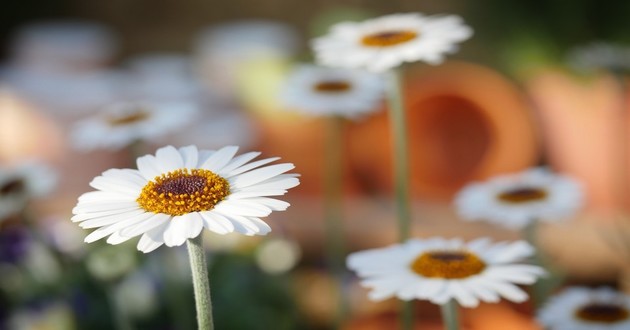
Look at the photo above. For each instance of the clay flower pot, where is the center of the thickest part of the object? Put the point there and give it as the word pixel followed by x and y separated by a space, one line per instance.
pixel 583 123
pixel 465 122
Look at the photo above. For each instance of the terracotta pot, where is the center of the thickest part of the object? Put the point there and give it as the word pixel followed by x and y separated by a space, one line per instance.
pixel 465 122
pixel 583 123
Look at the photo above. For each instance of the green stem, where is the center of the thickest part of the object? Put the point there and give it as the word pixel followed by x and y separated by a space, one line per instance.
pixel 201 284
pixel 333 209
pixel 450 315
pixel 401 171
pixel 401 159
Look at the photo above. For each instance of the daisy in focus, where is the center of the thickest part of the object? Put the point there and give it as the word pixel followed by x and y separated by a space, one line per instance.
pixel 20 183
pixel 386 42
pixel 321 91
pixel 439 270
pixel 579 308
pixel 122 124
pixel 173 195
pixel 516 200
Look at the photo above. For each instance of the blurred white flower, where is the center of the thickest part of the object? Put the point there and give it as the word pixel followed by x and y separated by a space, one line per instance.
pixel 63 46
pixel 55 315
pixel 578 308
pixel 136 295
pixel 516 200
pixel 600 56
pixel 277 255
pixel 223 51
pixel 22 182
pixel 109 263
pixel 386 42
pixel 122 124
pixel 439 270
pixel 316 90
pixel 162 77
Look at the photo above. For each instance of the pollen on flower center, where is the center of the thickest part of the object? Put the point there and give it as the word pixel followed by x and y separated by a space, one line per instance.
pixel 183 191
pixel 134 117
pixel 332 86
pixel 388 38
pixel 523 195
pixel 447 264
pixel 602 313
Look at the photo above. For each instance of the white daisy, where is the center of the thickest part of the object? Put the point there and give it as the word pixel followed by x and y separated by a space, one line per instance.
pixel 319 90
pixel 124 123
pixel 386 42
pixel 176 193
pixel 516 200
pixel 439 270
pixel 579 308
pixel 21 183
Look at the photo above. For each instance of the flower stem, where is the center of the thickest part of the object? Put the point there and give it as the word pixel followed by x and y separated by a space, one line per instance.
pixel 333 209
pixel 401 159
pixel 201 283
pixel 401 171
pixel 450 315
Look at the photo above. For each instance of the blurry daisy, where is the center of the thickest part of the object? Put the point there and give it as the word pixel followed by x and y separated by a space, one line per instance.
pixel 586 309
pixel 385 42
pixel 121 124
pixel 439 270
pixel 600 55
pixel 319 90
pixel 176 193
pixel 21 183
pixel 516 200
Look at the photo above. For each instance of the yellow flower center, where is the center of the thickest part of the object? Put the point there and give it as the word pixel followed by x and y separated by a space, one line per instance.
pixel 130 118
pixel 332 86
pixel 523 195
pixel 14 186
pixel 602 313
pixel 183 191
pixel 388 38
pixel 447 264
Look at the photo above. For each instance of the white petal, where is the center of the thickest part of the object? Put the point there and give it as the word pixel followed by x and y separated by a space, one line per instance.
pixel 239 161
pixel 84 207
pixel 219 159
pixel 242 207
pixel 151 221
pixel 260 175
pixel 108 219
pixel 249 166
pixel 169 159
pixel 116 238
pixel 148 167
pixel 190 156
pixel 216 223
pixel 180 228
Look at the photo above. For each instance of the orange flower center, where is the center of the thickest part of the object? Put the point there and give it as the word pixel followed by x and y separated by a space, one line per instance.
pixel 602 313
pixel 130 118
pixel 183 191
pixel 388 38
pixel 332 86
pixel 523 195
pixel 447 264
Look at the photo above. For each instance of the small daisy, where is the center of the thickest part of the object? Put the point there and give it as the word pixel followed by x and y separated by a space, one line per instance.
pixel 600 55
pixel 176 193
pixel 516 200
pixel 121 124
pixel 21 183
pixel 383 43
pixel 439 270
pixel 317 90
pixel 586 309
